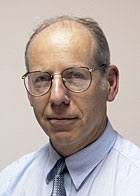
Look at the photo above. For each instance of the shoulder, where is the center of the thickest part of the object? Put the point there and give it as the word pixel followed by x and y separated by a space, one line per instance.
pixel 128 151
pixel 14 171
pixel 124 160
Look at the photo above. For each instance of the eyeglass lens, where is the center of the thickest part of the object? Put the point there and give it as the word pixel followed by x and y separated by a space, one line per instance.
pixel 74 79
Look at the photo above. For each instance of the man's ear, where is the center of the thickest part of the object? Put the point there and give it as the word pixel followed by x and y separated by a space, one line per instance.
pixel 30 99
pixel 113 82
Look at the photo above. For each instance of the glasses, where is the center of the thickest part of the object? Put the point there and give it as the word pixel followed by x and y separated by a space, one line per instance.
pixel 75 79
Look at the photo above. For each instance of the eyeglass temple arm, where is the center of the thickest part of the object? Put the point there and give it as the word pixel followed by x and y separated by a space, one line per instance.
pixel 24 76
pixel 100 67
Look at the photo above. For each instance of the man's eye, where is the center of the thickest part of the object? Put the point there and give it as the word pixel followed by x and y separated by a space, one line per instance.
pixel 78 75
pixel 74 75
pixel 43 78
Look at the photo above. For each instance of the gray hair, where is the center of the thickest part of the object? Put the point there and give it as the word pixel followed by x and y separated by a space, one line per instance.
pixel 102 55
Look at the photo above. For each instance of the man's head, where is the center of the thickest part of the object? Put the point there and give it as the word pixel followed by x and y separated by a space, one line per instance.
pixel 71 118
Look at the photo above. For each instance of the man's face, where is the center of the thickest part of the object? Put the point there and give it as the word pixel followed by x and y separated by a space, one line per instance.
pixel 71 120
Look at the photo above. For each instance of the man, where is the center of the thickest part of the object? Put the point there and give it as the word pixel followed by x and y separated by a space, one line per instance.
pixel 69 80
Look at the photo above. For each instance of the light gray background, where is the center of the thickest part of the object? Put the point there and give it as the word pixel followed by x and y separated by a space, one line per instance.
pixel 120 20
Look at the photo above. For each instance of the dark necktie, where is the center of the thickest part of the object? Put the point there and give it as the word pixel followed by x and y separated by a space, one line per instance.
pixel 57 175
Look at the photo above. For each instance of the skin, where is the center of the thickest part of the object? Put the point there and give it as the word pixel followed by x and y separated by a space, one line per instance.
pixel 71 120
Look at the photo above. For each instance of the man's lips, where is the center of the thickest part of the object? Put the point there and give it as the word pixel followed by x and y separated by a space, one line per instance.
pixel 61 121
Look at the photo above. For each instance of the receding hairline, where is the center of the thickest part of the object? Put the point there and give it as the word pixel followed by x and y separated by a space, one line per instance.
pixel 97 35
pixel 66 25
pixel 64 20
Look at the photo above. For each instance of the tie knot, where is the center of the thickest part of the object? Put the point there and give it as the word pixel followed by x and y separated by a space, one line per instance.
pixel 59 166
pixel 57 170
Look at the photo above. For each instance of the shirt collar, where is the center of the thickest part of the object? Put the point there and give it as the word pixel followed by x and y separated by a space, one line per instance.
pixel 83 162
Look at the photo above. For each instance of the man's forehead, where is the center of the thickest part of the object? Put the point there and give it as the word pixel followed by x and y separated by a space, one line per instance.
pixel 63 36
pixel 65 30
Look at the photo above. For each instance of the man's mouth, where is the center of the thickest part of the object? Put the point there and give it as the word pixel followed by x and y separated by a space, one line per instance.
pixel 62 121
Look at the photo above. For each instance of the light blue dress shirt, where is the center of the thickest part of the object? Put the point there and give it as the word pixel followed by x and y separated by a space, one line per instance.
pixel 108 167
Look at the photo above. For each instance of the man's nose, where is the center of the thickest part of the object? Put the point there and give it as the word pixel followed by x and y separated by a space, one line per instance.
pixel 59 93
